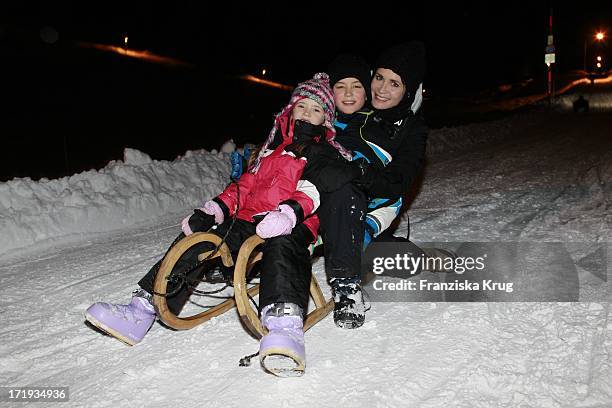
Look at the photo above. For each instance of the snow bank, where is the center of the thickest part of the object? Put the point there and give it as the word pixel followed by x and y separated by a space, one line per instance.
pixel 598 101
pixel 121 194
pixel 138 189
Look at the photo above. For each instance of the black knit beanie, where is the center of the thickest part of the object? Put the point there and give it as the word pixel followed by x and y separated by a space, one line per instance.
pixel 408 61
pixel 350 66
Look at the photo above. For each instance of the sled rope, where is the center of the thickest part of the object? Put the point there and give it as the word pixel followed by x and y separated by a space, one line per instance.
pixel 253 301
pixel 246 360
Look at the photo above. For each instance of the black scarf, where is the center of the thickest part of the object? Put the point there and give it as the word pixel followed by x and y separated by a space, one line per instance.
pixel 399 112
pixel 302 132
pixel 306 132
pixel 344 117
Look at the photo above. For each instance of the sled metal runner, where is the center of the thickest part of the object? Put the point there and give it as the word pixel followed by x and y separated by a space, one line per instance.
pixel 247 258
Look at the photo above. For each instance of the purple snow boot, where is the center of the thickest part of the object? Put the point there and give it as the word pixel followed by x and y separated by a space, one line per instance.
pixel 128 323
pixel 281 351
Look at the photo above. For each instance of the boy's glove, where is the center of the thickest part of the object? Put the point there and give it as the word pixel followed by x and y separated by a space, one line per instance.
pixel 276 223
pixel 359 167
pixel 362 172
pixel 203 218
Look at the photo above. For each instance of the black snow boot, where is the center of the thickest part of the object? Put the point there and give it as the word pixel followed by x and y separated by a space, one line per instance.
pixel 349 306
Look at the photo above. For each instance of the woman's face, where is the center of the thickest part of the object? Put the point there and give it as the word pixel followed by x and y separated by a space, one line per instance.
pixel 309 111
pixel 387 89
pixel 349 95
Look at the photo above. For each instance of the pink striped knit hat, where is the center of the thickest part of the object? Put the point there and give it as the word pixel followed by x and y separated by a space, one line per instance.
pixel 319 90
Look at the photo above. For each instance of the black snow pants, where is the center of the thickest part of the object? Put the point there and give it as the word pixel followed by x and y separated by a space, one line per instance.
pixel 286 267
pixel 342 215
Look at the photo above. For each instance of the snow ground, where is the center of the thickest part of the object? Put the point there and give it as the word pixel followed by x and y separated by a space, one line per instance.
pixel 535 177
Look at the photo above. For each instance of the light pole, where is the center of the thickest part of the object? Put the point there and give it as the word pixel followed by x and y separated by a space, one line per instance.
pixel 598 37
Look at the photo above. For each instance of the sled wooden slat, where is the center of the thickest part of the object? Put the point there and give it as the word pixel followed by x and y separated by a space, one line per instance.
pixel 223 252
pixel 316 293
pixel 247 258
pixel 248 314
pixel 318 314
pixel 161 283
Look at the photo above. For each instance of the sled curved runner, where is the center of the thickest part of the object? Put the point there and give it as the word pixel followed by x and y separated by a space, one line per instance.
pixel 247 257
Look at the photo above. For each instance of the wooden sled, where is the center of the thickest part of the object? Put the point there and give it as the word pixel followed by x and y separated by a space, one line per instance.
pixel 248 256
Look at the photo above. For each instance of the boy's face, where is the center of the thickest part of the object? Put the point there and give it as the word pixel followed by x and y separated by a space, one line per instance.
pixel 349 95
pixel 309 111
pixel 387 89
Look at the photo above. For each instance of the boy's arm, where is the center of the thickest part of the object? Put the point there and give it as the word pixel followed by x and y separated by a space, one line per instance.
pixel 381 218
pixel 325 168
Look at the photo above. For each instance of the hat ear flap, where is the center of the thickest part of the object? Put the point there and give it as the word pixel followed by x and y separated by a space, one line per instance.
pixel 290 126
pixel 418 99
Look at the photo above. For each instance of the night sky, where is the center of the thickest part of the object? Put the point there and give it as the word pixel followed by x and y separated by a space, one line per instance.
pixel 68 108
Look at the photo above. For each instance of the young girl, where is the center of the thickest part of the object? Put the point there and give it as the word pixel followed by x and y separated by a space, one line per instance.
pixel 274 201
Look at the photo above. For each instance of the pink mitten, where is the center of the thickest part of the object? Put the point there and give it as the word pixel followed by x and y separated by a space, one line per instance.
pixel 212 208
pixel 279 222
pixel 185 225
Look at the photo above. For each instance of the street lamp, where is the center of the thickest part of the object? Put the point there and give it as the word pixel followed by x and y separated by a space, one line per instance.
pixel 599 36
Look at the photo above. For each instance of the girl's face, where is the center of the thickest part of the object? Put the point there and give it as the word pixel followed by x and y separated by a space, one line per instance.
pixel 349 95
pixel 387 89
pixel 309 111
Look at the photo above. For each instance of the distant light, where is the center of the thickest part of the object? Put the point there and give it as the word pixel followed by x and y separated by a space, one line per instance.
pixel 599 65
pixel 600 36
pixel 140 54
pixel 262 81
pixel 424 90
pixel 599 58
pixel 125 40
pixel 49 35
pixel 263 71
